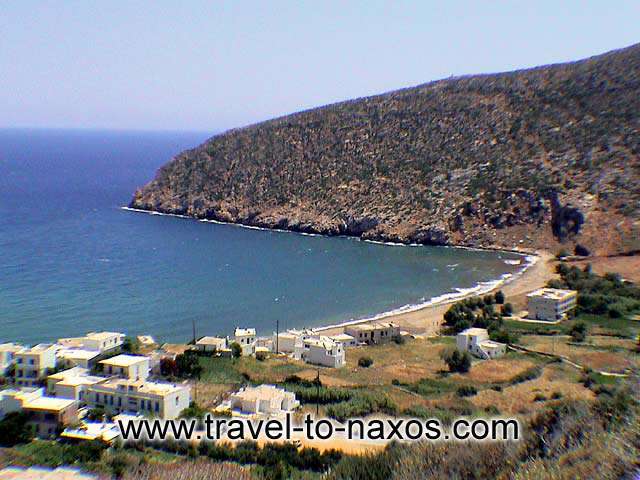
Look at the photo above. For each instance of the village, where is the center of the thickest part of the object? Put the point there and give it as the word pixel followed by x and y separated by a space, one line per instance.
pixel 61 386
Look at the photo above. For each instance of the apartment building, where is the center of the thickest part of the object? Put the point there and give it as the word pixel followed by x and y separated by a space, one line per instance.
pixel 551 304
pixel 476 341
pixel 45 414
pixel 77 357
pixel 33 363
pixel 320 350
pixel 121 395
pixel 132 367
pixel 7 354
pixel 373 333
pixel 101 341
pixel 72 383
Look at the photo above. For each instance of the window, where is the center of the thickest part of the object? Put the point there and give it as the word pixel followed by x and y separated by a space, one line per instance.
pixel 157 406
pixel 31 362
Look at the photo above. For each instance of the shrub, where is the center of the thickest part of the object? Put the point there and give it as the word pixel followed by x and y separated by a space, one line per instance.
pixel 578 332
pixel 95 414
pixel 499 297
pixel 457 361
pixel 14 429
pixel 581 250
pixel 539 398
pixel 467 391
pixel 562 254
pixel 399 339
pixel 506 310
pixel 395 382
pixel 556 396
pixel 529 374
pixel 361 405
pixel 188 365
pixel 236 350
pixel 261 356
pixel 365 362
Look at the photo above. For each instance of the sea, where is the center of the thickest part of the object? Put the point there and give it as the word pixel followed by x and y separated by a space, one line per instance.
pixel 72 260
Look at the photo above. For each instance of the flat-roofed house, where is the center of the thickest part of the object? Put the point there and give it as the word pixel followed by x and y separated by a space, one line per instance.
pixel 263 399
pixel 551 304
pixel 345 339
pixel 77 357
pixel 133 367
pixel 158 399
pixel 106 432
pixel 320 350
pixel 45 414
pixel 33 363
pixel 246 338
pixel 72 383
pixel 285 342
pixel 101 341
pixel 476 341
pixel 7 353
pixel 211 344
pixel 376 332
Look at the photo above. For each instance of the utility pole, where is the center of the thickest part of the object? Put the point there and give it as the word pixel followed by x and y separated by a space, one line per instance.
pixel 277 336
pixel 193 324
pixel 318 394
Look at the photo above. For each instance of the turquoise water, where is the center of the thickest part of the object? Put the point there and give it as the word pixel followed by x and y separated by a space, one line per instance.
pixel 72 260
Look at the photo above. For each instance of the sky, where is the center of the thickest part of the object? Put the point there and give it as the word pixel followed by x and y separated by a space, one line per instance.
pixel 211 66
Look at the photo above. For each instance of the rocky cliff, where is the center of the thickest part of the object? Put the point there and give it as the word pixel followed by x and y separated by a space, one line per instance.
pixel 536 158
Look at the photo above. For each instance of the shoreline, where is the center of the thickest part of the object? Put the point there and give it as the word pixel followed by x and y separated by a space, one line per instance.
pixel 410 316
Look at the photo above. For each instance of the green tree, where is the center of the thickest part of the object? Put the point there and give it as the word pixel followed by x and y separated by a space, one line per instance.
pixel 14 429
pixel 236 350
pixel 365 362
pixel 578 332
pixel 499 296
pixel 457 361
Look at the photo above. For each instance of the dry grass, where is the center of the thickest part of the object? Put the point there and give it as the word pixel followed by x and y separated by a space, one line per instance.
pixel 588 354
pixel 408 363
pixel 494 371
pixel 196 470
pixel 207 393
pixel 519 398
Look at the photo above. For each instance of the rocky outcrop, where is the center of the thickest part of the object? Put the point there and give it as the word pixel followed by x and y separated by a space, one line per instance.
pixel 534 158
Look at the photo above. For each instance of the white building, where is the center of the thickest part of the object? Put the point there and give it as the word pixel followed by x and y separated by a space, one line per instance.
pixel 72 383
pixel 7 353
pixel 211 344
pixel 476 341
pixel 32 364
pixel 158 399
pixel 45 414
pixel 285 342
pixel 132 367
pixel 76 357
pixel 551 304
pixel 246 338
pixel 101 341
pixel 376 332
pixel 263 399
pixel 106 432
pixel 320 351
pixel 345 339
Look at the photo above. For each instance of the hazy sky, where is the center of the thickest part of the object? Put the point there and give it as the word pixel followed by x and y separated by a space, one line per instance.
pixel 194 65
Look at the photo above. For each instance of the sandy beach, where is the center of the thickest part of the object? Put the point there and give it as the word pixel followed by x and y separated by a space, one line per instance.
pixel 427 320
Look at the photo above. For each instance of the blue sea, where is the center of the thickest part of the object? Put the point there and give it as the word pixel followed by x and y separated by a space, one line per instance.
pixel 72 260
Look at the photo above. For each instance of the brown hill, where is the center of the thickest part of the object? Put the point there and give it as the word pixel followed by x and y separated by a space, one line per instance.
pixel 536 158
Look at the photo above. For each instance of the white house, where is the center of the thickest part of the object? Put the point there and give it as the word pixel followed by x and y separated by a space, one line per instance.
pixel 376 332
pixel 32 364
pixel 7 353
pixel 551 304
pixel 246 338
pixel 72 383
pixel 133 367
pixel 476 341
pixel 45 414
pixel 101 341
pixel 285 342
pixel 263 399
pixel 158 399
pixel 345 339
pixel 211 344
pixel 320 351
pixel 76 357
